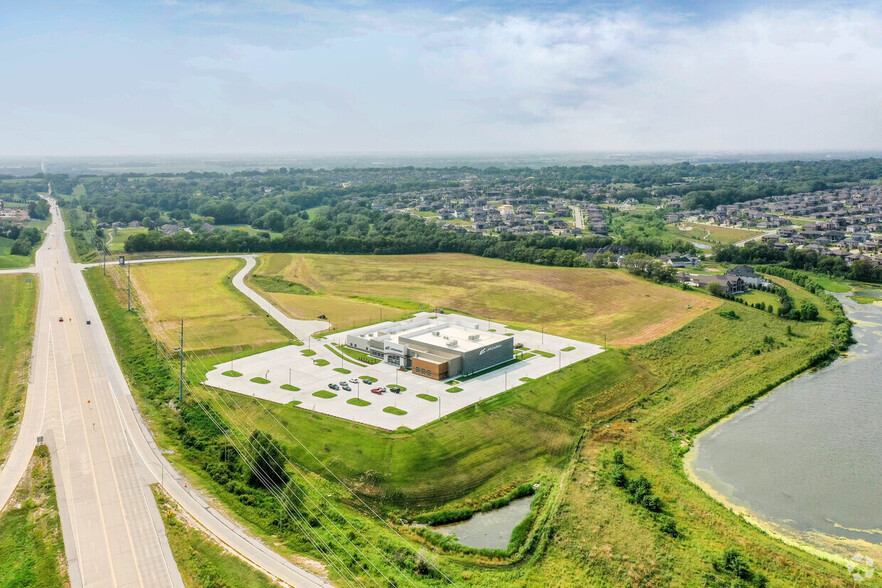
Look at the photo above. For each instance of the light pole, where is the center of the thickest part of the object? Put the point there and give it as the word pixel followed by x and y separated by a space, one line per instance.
pixel 129 272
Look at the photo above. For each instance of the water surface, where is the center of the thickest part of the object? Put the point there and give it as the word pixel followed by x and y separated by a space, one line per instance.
pixel 492 529
pixel 808 457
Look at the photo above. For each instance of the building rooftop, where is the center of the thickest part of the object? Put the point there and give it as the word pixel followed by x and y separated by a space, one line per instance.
pixel 454 337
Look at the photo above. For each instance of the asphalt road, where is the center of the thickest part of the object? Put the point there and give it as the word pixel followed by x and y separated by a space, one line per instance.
pixel 104 458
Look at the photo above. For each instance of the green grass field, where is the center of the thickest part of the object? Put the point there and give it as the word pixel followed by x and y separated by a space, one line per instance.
pixel 711 234
pixel 588 303
pixel 31 545
pixel 201 561
pixel 18 305
pixel 648 401
pixel 116 245
pixel 215 314
pixel 9 261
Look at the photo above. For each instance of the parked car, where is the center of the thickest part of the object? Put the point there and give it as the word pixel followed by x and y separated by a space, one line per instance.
pixel 347 388
pixel 343 383
pixel 333 386
pixel 377 391
pixel 61 319
pixel 518 345
pixel 366 381
pixel 88 322
pixel 353 380
pixel 395 389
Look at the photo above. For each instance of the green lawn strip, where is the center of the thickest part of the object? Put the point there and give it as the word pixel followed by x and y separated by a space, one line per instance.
pixel 428 397
pixel 395 411
pixel 864 299
pixel 358 402
pixel 201 561
pixel 831 285
pixel 18 294
pixel 339 352
pixel 343 370
pixel 232 374
pixel 324 394
pixel 259 380
pixel 570 348
pixel 295 402
pixel 307 352
pixel 289 388
pixel 31 544
pixel 544 353
pixel 321 362
pixel 526 379
pixel 358 356
pixel 454 390
pixel 279 284
pixel 523 356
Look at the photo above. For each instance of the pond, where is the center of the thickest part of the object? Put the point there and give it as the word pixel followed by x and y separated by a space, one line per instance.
pixel 492 529
pixel 806 458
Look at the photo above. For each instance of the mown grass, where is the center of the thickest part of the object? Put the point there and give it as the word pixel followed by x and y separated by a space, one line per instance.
pixel 18 297
pixel 117 244
pixel 711 233
pixel 203 562
pixel 586 303
pixel 31 545
pixel 831 284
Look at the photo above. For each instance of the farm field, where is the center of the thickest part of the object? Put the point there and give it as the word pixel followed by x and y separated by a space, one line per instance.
pixel 583 304
pixel 215 314
pixel 712 234
pixel 18 294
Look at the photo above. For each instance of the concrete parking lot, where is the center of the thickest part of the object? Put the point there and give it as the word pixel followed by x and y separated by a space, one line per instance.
pixel 297 366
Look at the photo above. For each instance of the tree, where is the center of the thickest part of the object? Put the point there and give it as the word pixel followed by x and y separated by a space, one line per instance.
pixel 21 246
pixel 716 289
pixel 267 461
pixel 809 311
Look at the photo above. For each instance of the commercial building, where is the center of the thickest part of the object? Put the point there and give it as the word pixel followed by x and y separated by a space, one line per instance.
pixel 444 346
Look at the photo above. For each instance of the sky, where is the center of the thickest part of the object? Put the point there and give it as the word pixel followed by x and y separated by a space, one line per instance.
pixel 83 78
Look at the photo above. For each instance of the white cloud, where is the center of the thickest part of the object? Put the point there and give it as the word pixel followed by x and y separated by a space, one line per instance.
pixel 361 80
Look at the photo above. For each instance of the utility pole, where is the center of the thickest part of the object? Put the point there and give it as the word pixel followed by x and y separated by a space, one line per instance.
pixel 180 351
pixel 129 272
pixel 105 261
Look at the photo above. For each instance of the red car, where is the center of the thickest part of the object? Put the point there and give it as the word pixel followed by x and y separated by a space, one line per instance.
pixel 377 391
pixel 61 319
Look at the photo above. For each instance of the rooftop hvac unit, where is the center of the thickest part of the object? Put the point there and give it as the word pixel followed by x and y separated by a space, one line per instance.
pixel 436 333
pixel 453 343
pixel 474 337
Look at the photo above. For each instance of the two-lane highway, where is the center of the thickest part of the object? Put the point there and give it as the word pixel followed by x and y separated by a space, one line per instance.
pixel 103 457
pixel 113 533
